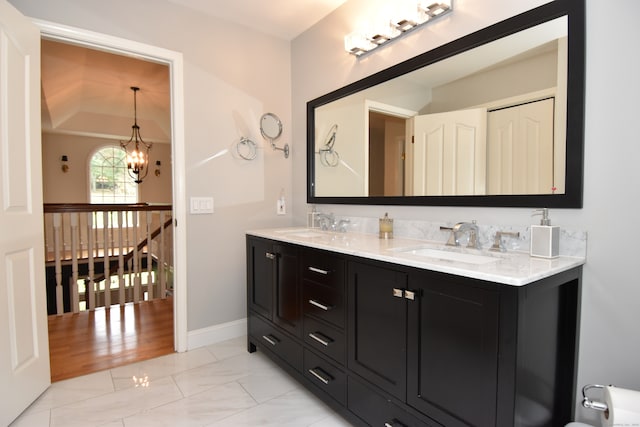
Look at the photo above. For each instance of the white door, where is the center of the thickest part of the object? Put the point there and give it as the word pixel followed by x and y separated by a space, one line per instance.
pixel 24 354
pixel 520 149
pixel 449 153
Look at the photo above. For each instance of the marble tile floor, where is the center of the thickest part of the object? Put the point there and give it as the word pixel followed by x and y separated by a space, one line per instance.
pixel 219 385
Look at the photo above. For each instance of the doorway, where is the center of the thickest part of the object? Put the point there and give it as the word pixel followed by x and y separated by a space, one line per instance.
pixel 174 61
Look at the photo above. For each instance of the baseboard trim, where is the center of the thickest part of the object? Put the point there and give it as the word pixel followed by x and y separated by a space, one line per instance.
pixel 216 333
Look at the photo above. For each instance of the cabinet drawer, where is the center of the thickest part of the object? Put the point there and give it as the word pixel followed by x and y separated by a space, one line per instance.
pixel 376 410
pixel 327 340
pixel 320 267
pixel 276 341
pixel 326 376
pixel 323 302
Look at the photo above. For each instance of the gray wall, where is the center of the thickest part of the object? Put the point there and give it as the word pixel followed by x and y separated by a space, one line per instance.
pixel 610 341
pixel 232 75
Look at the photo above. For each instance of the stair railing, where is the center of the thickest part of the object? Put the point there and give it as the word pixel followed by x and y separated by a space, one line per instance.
pixel 94 243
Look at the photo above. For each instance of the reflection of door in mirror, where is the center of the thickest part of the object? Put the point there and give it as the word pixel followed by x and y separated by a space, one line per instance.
pixel 520 149
pixel 386 154
pixel 449 153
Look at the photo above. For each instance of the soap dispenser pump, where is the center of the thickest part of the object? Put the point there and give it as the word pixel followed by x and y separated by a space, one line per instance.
pixel 545 238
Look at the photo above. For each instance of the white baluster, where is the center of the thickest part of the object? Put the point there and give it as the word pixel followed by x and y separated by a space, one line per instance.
pixel 161 269
pixel 135 275
pixel 121 285
pixel 57 224
pixel 90 287
pixel 105 253
pixel 150 281
pixel 75 300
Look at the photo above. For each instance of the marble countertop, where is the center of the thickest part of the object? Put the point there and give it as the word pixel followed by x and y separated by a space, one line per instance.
pixel 511 268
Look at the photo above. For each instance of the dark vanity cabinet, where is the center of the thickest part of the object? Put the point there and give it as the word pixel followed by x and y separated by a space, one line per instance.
pixel 273 297
pixel 390 345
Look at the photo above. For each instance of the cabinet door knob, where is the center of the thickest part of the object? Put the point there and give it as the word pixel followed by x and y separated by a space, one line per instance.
pixel 398 293
pixel 318 373
pixel 270 255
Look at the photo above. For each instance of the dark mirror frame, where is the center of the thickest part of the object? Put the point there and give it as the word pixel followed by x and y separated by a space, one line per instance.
pixel 575 11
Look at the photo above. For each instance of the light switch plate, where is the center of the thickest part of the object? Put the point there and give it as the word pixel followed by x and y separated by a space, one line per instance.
pixel 201 205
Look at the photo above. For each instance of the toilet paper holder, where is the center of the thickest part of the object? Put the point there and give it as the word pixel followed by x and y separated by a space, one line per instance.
pixel 593 404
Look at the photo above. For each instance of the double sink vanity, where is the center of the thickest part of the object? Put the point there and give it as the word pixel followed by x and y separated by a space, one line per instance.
pixel 403 332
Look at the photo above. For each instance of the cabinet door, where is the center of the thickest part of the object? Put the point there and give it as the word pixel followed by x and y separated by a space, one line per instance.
pixel 453 350
pixel 260 272
pixel 287 309
pixel 377 326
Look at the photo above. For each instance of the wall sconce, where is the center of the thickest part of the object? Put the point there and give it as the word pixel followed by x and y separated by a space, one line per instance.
pixel 158 164
pixel 63 160
pixel 405 17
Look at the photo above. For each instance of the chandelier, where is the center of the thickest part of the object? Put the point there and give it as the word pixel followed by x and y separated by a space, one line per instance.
pixel 137 150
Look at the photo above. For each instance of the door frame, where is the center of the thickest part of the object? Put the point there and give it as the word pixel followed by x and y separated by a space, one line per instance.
pixel 174 60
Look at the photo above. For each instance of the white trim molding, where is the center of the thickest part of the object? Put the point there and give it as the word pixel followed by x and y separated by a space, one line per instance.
pixel 217 333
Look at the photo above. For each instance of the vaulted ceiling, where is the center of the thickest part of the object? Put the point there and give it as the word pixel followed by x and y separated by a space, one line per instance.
pixel 87 91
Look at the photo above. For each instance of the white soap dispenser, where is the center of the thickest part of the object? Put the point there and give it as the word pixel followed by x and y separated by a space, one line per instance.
pixel 545 238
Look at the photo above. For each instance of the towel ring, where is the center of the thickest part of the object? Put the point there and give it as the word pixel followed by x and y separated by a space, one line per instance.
pixel 328 156
pixel 246 148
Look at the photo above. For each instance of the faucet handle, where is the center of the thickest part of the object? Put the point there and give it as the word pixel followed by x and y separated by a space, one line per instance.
pixel 474 242
pixel 453 240
pixel 497 241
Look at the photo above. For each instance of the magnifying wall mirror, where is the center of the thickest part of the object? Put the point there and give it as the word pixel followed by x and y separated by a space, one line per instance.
pixel 495 118
pixel 271 129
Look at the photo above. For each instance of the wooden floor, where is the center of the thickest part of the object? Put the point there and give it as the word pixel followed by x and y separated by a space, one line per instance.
pixel 88 342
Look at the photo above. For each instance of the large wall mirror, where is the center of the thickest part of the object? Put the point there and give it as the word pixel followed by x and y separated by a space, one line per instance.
pixel 495 118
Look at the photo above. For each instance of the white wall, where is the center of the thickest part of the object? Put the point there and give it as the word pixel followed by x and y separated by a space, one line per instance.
pixel 232 75
pixel 609 341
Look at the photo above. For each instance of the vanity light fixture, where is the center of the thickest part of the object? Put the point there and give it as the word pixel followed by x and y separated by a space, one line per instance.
pixel 405 16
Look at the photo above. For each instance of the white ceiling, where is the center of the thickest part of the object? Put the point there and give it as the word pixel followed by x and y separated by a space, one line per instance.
pixel 285 19
pixel 87 92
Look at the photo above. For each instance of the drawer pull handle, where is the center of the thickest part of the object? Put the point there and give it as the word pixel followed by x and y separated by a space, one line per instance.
pixel 319 305
pixel 270 255
pixel 317 372
pixel 271 340
pixel 410 295
pixel 394 423
pixel 325 341
pixel 318 270
pixel 398 293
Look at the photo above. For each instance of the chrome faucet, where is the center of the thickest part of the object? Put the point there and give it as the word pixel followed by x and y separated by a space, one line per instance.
pixel 463 227
pixel 328 222
pixel 325 221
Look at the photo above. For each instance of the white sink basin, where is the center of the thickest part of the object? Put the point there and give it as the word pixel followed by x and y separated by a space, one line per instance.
pixel 441 254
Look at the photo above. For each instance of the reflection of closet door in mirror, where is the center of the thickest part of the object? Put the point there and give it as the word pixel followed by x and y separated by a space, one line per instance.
pixel 520 149
pixel 449 153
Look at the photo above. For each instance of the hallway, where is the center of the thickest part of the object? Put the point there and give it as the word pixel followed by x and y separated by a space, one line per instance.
pixel 92 341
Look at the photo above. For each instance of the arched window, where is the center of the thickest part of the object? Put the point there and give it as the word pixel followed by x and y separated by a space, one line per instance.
pixel 109 181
